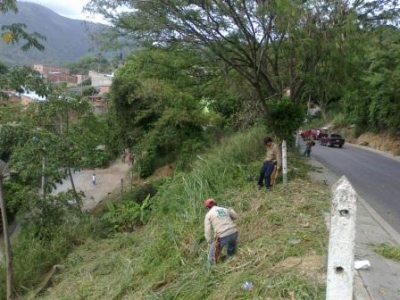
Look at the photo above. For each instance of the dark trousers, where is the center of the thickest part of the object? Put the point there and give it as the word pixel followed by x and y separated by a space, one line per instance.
pixel 307 151
pixel 265 173
pixel 229 241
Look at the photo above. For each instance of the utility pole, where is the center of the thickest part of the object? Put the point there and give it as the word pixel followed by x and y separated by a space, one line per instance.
pixel 7 245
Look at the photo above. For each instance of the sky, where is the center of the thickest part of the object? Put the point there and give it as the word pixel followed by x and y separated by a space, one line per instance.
pixel 68 8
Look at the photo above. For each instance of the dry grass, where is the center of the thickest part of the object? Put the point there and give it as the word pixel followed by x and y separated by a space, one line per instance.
pixel 384 142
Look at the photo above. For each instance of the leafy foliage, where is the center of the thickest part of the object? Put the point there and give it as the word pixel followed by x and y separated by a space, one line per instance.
pixel 127 214
pixel 287 117
pixel 17 32
pixel 90 62
pixel 274 46
pixel 158 105
pixel 372 104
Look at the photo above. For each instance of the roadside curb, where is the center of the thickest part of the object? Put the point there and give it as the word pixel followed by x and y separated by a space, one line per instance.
pixel 378 219
pixel 389 155
pixel 363 287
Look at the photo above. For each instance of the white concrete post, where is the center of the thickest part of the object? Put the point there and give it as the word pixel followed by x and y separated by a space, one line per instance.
pixel 342 234
pixel 284 162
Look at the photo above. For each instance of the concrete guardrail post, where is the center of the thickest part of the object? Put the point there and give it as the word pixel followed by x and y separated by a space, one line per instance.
pixel 342 234
pixel 284 162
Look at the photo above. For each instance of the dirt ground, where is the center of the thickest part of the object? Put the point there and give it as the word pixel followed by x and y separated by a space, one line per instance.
pixel 107 182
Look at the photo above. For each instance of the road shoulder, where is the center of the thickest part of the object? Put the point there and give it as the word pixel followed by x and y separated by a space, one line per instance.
pixel 381 280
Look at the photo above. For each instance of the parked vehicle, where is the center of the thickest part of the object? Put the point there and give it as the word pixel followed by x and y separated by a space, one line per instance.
pixel 314 132
pixel 331 140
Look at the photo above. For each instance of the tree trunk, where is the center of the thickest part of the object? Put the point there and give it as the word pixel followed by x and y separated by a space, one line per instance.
pixel 77 198
pixel 7 246
pixel 43 176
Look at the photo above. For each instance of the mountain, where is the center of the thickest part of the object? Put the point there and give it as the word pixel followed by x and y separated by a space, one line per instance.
pixel 66 39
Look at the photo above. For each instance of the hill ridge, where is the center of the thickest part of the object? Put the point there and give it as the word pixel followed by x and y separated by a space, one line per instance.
pixel 67 39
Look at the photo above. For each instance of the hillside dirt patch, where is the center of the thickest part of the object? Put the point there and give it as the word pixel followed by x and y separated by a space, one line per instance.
pixel 311 266
pixel 384 142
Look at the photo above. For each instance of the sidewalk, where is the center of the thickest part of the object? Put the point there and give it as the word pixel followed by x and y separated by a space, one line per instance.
pixel 382 280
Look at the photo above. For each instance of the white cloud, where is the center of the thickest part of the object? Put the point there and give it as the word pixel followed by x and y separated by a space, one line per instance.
pixel 69 8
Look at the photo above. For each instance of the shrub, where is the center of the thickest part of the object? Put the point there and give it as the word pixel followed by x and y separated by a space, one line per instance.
pixel 146 164
pixel 287 117
pixel 126 215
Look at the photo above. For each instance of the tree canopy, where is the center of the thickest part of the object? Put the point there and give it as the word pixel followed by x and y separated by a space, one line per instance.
pixel 276 46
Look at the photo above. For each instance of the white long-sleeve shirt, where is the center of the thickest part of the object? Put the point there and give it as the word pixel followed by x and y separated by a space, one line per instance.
pixel 219 222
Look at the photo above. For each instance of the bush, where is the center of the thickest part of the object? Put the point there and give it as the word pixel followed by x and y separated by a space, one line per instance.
pixel 140 193
pixel 146 164
pixel 126 215
pixel 287 117
pixel 99 159
pixel 340 120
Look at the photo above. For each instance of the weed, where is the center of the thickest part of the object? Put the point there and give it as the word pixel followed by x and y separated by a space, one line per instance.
pixel 387 251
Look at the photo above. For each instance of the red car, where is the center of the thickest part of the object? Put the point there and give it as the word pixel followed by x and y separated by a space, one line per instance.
pixel 314 132
pixel 331 140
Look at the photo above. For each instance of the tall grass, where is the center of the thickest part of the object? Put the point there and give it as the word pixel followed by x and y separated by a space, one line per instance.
pixel 166 258
pixel 34 256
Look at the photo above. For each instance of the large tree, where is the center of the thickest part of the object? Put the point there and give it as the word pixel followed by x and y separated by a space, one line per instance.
pixel 273 45
pixel 158 102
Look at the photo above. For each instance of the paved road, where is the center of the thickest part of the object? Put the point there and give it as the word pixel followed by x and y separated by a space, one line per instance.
pixel 375 177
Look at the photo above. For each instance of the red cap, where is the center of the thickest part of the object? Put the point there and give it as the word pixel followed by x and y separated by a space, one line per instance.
pixel 209 203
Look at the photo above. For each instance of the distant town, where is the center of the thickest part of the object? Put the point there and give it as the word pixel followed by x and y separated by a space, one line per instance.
pixel 99 81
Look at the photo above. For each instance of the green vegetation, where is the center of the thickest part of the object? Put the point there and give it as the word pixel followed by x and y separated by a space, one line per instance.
pixel 282 245
pixel 388 251
pixel 207 83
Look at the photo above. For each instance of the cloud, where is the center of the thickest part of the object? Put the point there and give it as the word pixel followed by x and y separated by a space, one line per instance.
pixel 67 8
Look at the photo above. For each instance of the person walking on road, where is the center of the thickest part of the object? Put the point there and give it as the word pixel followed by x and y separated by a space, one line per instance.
pixel 309 144
pixel 272 158
pixel 131 158
pixel 94 179
pixel 219 230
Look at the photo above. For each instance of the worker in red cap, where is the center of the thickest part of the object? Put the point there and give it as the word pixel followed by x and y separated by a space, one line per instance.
pixel 219 230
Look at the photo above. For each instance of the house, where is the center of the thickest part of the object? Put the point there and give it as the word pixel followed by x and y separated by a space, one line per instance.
pixel 100 79
pixel 102 83
pixel 55 74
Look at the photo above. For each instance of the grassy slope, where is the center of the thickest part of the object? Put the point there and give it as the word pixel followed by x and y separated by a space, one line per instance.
pixel 282 242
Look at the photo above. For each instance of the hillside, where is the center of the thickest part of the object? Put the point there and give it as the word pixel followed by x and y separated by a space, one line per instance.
pixel 282 240
pixel 66 39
